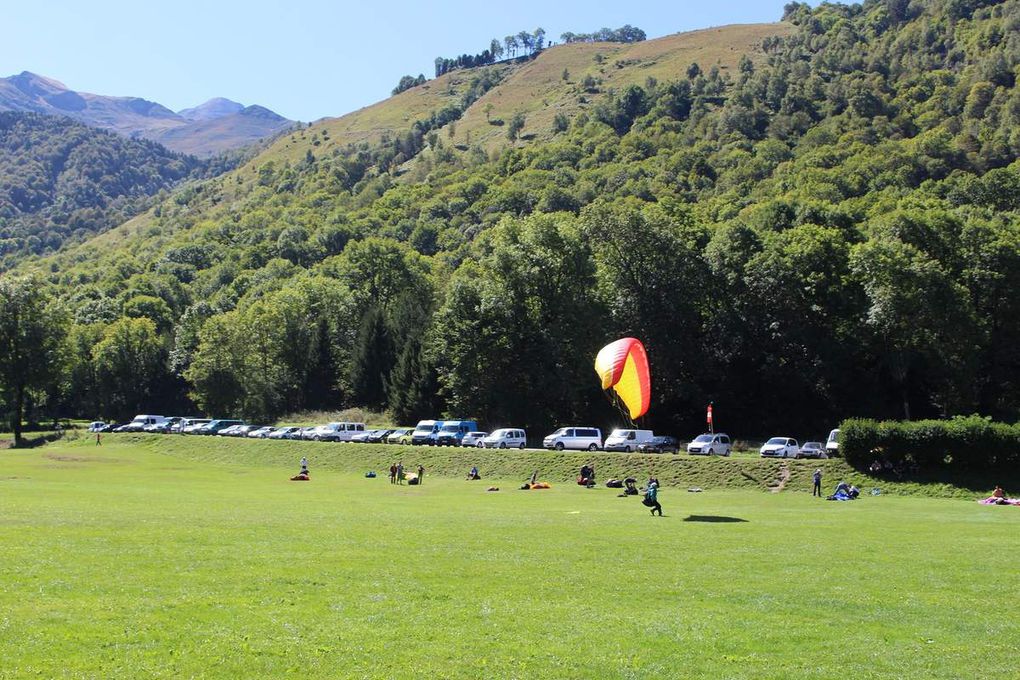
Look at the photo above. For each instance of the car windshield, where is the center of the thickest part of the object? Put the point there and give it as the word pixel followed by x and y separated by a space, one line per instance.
pixel 562 430
pixel 658 440
pixel 777 440
pixel 703 438
pixel 450 428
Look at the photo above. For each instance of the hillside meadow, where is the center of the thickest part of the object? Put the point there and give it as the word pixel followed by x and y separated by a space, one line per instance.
pixel 171 557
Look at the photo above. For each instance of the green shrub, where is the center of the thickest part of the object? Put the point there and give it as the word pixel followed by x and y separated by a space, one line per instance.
pixel 963 443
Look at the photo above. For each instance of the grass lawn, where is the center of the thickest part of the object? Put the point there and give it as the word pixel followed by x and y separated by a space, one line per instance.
pixel 125 561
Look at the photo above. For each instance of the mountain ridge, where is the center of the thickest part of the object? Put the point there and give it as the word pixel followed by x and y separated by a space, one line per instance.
pixel 186 131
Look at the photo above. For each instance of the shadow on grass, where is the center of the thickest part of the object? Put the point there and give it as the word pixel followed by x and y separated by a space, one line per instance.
pixel 33 442
pixel 713 518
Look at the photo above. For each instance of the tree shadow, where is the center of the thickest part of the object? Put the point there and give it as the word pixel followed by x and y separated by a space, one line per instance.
pixel 712 518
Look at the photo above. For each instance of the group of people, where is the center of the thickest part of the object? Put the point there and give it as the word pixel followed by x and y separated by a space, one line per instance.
pixel 398 475
pixel 886 467
pixel 844 492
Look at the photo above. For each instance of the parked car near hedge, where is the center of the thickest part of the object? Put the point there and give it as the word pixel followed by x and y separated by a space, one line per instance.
pixel 813 450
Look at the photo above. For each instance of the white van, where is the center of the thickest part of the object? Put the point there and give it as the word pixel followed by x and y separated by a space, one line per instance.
pixel 578 438
pixel 506 438
pixel 140 422
pixel 342 432
pixel 627 440
pixel 832 445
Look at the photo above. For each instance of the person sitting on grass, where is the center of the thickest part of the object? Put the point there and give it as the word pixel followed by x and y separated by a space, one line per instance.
pixel 303 475
pixel 853 492
pixel 473 474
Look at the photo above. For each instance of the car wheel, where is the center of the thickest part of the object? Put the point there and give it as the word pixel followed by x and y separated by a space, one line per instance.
pixel 502 445
pixel 521 447
pixel 711 452
pixel 592 447
pixel 559 446
pixel 480 445
pixel 626 449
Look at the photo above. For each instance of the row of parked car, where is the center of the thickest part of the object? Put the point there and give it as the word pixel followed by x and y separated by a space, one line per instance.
pixel 466 433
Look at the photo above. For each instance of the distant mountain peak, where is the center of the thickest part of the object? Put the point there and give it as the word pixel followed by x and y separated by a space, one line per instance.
pixel 217 107
pixel 209 128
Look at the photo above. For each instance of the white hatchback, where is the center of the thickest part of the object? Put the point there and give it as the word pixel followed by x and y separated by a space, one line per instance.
pixel 577 438
pixel 780 447
pixel 506 438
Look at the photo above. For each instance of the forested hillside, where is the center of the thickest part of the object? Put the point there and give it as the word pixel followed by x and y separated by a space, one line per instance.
pixel 61 180
pixel 828 228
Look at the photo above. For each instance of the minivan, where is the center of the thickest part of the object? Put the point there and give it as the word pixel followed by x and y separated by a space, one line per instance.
pixel 579 438
pixel 425 432
pixel 342 432
pixel 710 444
pixel 832 445
pixel 141 421
pixel 506 438
pixel 627 440
pixel 453 431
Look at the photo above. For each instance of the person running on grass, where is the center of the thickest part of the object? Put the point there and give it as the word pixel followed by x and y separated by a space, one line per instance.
pixel 652 498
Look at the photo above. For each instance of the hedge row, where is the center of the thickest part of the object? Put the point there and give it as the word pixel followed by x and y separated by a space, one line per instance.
pixel 971 443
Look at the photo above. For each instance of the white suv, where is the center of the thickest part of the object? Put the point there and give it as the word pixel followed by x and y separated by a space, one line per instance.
pixel 780 447
pixel 717 444
pixel 579 438
pixel 505 438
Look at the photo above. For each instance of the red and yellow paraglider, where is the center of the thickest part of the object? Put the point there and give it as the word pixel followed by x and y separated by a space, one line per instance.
pixel 623 367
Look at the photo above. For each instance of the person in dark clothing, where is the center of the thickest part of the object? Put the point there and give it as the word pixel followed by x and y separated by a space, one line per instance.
pixel 400 473
pixel 393 473
pixel 817 477
pixel 421 474
pixel 652 498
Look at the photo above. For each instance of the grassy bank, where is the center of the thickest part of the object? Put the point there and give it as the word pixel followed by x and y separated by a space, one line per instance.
pixel 683 471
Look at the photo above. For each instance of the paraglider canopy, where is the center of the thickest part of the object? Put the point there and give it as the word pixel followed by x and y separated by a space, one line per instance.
pixel 623 367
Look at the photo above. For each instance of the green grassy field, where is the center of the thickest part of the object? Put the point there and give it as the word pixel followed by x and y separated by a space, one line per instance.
pixel 190 557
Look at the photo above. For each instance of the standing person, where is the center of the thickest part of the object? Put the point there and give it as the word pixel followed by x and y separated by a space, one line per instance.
pixel 393 473
pixel 99 439
pixel 400 472
pixel 817 477
pixel 652 498
pixel 421 473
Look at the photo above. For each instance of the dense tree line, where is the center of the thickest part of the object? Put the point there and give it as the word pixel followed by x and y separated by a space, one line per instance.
pixel 62 180
pixel 523 44
pixel 831 230
pixel 624 34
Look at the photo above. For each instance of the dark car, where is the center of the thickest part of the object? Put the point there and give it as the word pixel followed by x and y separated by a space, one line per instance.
pixel 659 445
pixel 378 436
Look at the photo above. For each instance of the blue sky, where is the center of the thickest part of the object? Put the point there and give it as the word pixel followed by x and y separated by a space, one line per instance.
pixel 305 59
